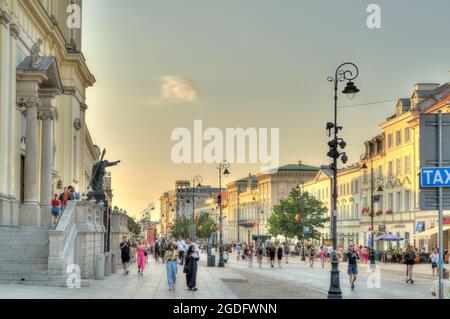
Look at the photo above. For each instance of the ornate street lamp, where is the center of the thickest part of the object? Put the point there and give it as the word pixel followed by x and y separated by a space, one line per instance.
pixel 345 72
pixel 379 181
pixel 223 169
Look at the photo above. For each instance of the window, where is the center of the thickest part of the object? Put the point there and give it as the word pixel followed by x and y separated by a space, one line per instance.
pixel 390 201
pixel 380 171
pixel 407 164
pixel 357 211
pixel 398 202
pixel 407 134
pixel 407 201
pixel 398 167
pixel 398 138
pixel 356 186
pixel 390 141
pixel 390 169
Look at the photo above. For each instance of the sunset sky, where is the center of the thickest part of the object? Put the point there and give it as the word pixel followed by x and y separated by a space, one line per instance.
pixel 160 65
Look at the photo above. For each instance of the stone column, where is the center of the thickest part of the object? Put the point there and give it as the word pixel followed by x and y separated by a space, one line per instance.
pixel 46 115
pixel 30 215
pixel 4 118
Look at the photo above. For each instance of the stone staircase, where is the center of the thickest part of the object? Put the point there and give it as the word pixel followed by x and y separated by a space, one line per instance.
pixel 24 257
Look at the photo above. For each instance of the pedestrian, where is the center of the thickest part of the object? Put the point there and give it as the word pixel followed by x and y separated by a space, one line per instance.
pixel 279 255
pixel 259 252
pixel 286 251
pixel 410 256
pixel 64 198
pixel 133 250
pixel 238 250
pixel 181 246
pixel 323 256
pixel 445 284
pixel 365 255
pixel 56 210
pixel 157 250
pixel 249 255
pixel 171 259
pixel 312 256
pixel 352 266
pixel 163 248
pixel 140 252
pixel 73 194
pixel 190 265
pixel 271 253
pixel 125 254
pixel 434 258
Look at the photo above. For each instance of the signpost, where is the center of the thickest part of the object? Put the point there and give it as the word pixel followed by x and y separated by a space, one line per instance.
pixel 434 177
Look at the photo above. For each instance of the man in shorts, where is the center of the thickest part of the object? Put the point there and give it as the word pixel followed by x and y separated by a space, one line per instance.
pixel 352 266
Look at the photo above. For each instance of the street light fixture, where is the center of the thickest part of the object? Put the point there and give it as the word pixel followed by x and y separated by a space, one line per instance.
pixel 345 72
pixel 373 198
pixel 223 169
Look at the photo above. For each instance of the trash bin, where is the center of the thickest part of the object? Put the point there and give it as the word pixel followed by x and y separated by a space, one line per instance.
pixel 212 261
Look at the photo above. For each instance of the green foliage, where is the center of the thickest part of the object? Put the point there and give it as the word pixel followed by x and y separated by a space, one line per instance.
pixel 182 227
pixel 133 226
pixel 313 215
pixel 205 226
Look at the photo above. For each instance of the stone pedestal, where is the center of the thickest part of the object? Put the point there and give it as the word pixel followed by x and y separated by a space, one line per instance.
pixel 113 262
pixel 107 264
pixel 100 267
pixel 30 214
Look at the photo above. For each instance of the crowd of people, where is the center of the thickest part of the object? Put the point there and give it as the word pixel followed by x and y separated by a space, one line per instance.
pixel 59 202
pixel 184 253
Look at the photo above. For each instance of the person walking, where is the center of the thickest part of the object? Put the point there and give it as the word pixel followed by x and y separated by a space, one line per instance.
pixel 249 255
pixel 323 256
pixel 64 198
pixel 352 266
pixel 365 255
pixel 190 265
pixel 259 252
pixel 312 255
pixel 286 252
pixel 434 258
pixel 157 250
pixel 140 252
pixel 279 255
pixel 56 210
pixel 410 256
pixel 125 247
pixel 446 286
pixel 181 246
pixel 238 250
pixel 171 259
pixel 133 250
pixel 163 248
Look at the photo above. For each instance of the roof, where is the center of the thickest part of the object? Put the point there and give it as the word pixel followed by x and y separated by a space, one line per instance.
pixel 298 167
pixel 47 64
pixel 245 179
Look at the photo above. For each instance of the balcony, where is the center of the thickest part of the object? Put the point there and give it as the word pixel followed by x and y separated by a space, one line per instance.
pixel 400 217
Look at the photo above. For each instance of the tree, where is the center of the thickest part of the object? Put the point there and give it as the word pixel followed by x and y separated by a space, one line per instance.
pixel 133 226
pixel 293 214
pixel 182 227
pixel 205 225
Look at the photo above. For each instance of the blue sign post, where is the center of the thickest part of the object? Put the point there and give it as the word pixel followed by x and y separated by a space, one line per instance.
pixel 435 177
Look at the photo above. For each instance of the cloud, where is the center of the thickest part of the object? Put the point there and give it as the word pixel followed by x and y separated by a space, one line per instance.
pixel 176 88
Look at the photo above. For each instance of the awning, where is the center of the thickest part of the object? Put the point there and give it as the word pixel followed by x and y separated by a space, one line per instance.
pixel 428 233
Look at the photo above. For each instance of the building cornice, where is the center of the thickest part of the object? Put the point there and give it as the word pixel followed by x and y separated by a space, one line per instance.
pixel 14 30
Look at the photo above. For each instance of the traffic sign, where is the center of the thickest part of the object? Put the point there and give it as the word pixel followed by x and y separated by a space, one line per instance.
pixel 435 177
pixel 306 230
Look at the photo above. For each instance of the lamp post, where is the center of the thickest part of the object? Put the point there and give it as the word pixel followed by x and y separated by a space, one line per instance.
pixel 223 169
pixel 258 212
pixel 196 183
pixel 373 198
pixel 345 72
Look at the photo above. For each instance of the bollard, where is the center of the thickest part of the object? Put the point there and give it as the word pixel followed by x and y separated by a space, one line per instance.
pixel 100 267
pixel 107 264
pixel 113 262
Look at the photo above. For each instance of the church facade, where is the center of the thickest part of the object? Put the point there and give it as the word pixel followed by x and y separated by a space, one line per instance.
pixel 44 142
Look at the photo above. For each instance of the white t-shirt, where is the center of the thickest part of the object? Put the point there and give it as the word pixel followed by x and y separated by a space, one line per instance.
pixel 181 245
pixel 435 289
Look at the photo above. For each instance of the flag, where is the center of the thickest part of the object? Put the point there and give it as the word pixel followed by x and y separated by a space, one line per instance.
pixel 298 217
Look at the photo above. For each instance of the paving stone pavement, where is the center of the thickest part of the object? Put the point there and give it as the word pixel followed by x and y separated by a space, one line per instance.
pixel 153 285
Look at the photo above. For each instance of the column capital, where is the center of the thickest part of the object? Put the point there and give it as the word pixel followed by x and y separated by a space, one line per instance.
pixel 46 114
pixel 83 107
pixel 27 101
pixel 14 30
pixel 5 18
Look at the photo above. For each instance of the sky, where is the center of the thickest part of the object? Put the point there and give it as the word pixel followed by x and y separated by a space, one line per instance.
pixel 162 64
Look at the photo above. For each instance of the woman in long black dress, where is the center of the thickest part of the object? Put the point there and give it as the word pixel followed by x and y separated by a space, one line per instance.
pixel 125 247
pixel 190 266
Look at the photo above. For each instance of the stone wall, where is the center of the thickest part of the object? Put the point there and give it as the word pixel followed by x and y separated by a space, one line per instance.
pixel 78 240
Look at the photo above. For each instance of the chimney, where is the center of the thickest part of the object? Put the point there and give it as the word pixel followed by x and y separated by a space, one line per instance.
pixel 300 163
